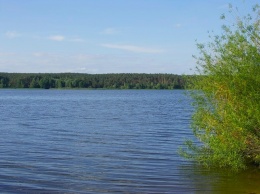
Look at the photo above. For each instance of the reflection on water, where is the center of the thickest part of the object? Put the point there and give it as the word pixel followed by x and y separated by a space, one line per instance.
pixel 220 181
pixel 103 141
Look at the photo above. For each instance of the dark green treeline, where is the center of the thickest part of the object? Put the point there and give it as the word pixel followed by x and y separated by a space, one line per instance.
pixel 95 81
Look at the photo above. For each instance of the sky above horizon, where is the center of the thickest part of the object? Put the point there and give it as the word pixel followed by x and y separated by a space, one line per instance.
pixel 107 36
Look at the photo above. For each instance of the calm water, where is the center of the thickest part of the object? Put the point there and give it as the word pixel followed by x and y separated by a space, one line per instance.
pixel 103 141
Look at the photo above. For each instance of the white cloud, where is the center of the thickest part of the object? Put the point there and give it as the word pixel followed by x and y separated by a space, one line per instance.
pixel 38 54
pixel 110 31
pixel 6 54
pixel 133 48
pixel 57 38
pixel 63 38
pixel 12 34
pixel 50 62
pixel 178 25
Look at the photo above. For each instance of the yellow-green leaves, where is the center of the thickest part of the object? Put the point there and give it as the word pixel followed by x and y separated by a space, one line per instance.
pixel 227 116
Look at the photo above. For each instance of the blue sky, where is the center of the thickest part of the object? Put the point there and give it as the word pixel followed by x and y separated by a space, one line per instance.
pixel 107 36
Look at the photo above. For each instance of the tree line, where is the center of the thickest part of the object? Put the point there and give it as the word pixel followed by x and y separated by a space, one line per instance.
pixel 94 81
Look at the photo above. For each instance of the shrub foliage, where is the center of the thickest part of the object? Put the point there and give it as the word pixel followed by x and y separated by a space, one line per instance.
pixel 227 97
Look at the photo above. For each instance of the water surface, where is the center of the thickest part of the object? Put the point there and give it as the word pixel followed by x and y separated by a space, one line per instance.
pixel 103 141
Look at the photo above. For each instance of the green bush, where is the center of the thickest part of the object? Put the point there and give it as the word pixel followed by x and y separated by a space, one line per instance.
pixel 227 97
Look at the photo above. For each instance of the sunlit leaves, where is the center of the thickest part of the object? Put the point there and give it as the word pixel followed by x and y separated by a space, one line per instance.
pixel 227 117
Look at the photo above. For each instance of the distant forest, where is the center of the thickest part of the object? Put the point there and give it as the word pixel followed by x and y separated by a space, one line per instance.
pixel 94 81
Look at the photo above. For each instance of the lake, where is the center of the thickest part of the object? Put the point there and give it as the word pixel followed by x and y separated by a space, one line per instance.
pixel 104 141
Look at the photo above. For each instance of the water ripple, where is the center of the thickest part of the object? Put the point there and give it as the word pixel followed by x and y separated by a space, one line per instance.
pixel 96 142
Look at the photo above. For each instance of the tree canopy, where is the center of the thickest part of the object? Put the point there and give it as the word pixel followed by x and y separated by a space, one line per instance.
pixel 94 81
